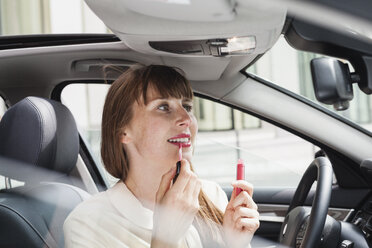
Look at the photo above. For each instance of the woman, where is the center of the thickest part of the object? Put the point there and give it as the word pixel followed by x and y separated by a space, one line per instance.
pixel 147 116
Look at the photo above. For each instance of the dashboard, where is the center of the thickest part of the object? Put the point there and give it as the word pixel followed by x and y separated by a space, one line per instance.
pixel 363 220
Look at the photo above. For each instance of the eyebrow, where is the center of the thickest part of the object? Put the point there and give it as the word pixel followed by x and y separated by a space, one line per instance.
pixel 160 98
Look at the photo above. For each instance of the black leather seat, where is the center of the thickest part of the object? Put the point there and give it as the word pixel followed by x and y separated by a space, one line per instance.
pixel 39 145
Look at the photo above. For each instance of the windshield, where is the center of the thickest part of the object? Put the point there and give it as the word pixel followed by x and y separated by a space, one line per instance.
pixel 290 69
pixel 48 17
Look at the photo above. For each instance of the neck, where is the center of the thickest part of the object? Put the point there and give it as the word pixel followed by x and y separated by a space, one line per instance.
pixel 143 182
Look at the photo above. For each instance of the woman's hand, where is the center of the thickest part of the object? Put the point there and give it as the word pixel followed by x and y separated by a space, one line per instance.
pixel 240 220
pixel 176 206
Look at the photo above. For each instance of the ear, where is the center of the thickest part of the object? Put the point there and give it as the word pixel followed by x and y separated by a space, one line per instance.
pixel 125 137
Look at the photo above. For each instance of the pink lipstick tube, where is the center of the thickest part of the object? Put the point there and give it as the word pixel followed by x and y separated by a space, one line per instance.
pixel 178 163
pixel 240 174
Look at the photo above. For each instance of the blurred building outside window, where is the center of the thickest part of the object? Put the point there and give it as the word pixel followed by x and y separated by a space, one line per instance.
pixel 2 107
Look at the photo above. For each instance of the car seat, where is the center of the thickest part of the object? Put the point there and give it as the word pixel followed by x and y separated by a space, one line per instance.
pixel 39 145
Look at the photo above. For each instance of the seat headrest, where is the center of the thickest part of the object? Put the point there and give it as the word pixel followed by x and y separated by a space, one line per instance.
pixel 40 132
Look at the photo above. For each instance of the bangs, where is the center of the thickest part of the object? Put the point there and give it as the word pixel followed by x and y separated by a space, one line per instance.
pixel 167 81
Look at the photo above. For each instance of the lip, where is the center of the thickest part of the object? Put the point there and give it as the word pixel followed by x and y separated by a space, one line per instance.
pixel 182 135
pixel 179 136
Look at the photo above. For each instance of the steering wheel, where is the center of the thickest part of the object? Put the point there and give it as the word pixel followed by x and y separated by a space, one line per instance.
pixel 303 226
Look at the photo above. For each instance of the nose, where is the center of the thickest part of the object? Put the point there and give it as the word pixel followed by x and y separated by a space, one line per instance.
pixel 183 118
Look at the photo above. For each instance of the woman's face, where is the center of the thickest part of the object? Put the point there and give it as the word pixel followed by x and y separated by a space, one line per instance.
pixel 158 128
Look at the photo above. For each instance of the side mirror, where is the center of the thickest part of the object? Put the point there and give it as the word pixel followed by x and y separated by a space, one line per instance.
pixel 333 82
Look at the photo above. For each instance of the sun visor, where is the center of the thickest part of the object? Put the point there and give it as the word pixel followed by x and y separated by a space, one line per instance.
pixel 214 28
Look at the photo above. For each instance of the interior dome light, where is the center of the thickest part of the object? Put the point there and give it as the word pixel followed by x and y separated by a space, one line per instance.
pixel 239 46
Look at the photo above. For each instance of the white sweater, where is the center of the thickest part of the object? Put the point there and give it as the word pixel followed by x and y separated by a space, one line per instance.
pixel 116 218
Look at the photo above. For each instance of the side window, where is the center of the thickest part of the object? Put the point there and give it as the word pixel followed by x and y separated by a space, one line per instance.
pixel 4 182
pixel 86 101
pixel 273 157
pixel 2 107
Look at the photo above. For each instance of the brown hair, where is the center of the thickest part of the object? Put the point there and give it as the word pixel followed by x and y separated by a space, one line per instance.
pixel 117 113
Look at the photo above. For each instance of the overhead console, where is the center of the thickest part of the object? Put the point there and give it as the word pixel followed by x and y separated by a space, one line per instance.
pixel 213 47
pixel 197 28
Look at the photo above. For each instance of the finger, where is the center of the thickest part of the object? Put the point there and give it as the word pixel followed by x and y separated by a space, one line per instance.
pixel 248 224
pixel 243 212
pixel 232 199
pixel 165 183
pixel 191 184
pixel 233 194
pixel 183 177
pixel 195 194
pixel 197 189
pixel 244 185
pixel 244 199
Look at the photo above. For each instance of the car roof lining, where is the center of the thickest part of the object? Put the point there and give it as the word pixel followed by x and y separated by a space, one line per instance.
pixel 48 72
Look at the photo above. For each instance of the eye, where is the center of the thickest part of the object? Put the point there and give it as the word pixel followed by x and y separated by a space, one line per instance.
pixel 163 107
pixel 188 107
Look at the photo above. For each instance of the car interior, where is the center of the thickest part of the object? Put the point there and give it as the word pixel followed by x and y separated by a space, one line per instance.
pixel 214 42
pixel 41 133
